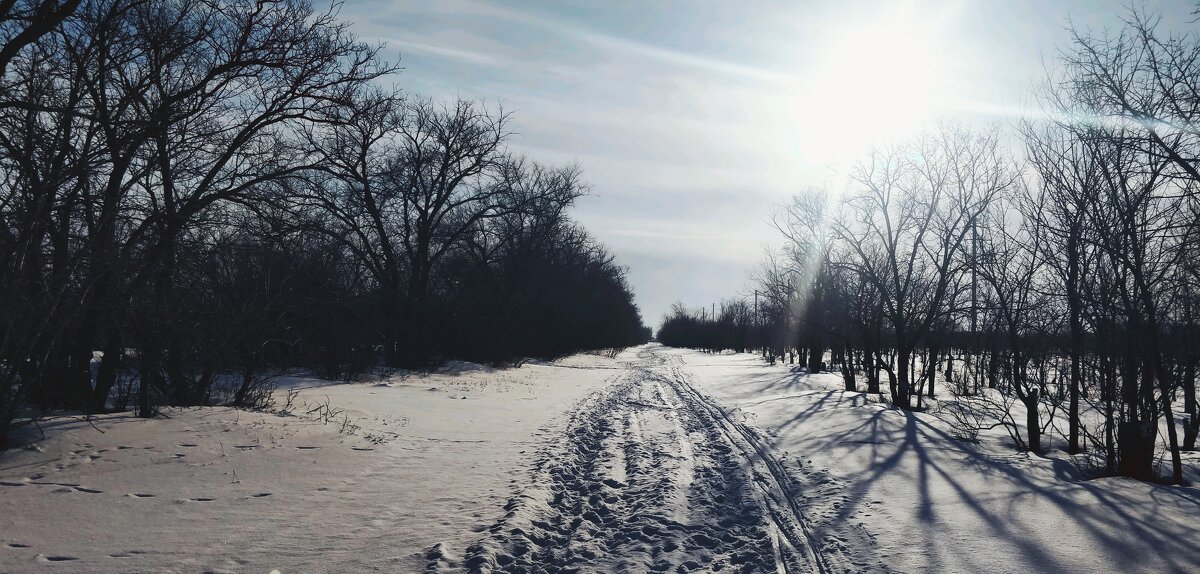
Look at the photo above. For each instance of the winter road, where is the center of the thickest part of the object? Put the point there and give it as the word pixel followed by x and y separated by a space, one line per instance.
pixel 650 475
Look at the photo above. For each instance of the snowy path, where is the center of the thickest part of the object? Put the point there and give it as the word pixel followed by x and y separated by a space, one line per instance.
pixel 652 475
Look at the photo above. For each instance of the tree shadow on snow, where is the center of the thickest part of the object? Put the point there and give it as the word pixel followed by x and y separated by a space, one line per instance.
pixel 946 474
pixel 1010 500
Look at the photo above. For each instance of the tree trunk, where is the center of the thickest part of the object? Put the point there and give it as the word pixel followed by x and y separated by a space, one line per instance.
pixel 203 390
pixel 146 379
pixel 872 368
pixel 901 398
pixel 1191 423
pixel 239 399
pixel 1172 438
pixel 848 370
pixel 993 373
pixel 1135 449
pixel 931 368
pixel 110 366
pixel 949 368
pixel 1033 426
pixel 79 374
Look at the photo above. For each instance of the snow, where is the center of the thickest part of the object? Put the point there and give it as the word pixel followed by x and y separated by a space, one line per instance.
pixel 659 459
pixel 433 460
pixel 937 504
pixel 652 476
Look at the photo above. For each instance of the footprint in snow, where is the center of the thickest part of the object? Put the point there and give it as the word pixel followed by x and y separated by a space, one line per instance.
pixel 16 545
pixel 126 554
pixel 88 490
pixel 140 495
pixel 308 447
pixel 202 499
pixel 44 558
pixel 261 495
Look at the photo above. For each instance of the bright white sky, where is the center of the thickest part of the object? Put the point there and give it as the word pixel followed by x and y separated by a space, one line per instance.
pixel 691 119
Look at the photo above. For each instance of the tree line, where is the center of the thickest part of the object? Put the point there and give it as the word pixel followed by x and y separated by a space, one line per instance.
pixel 198 193
pixel 1063 277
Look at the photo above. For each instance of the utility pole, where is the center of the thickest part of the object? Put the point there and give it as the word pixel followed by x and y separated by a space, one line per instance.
pixel 971 365
pixel 974 278
pixel 757 335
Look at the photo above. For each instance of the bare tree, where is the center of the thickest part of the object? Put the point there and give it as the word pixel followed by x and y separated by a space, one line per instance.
pixel 1009 261
pixel 907 230
pixel 23 22
pixel 1069 179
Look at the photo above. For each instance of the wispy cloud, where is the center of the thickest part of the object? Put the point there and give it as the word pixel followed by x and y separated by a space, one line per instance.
pixel 440 51
pixel 611 43
pixel 685 59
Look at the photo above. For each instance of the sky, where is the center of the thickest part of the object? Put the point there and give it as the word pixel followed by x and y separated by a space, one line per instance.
pixel 693 119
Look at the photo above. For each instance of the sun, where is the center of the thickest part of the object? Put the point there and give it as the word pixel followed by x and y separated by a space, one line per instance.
pixel 873 82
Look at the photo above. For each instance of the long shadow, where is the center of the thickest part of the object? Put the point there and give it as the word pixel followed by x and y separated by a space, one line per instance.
pixel 903 442
pixel 1111 527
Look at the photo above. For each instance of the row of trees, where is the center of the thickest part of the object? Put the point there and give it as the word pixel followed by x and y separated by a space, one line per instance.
pixel 730 327
pixel 194 188
pixel 1068 281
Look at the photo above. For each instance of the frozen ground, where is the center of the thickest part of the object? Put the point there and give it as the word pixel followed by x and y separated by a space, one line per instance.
pixel 658 460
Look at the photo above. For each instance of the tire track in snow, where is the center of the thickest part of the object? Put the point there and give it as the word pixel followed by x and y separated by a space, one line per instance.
pixel 798 500
pixel 649 475
pixel 775 485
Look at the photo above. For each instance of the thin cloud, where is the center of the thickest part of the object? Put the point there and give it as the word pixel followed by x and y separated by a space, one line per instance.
pixel 451 53
pixel 632 47
pixel 684 59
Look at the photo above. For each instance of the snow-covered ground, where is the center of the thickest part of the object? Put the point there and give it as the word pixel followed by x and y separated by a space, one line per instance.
pixel 657 460
pixel 652 476
pixel 391 471
pixel 937 504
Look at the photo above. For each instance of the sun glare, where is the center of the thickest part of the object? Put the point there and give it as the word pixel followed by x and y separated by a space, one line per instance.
pixel 873 82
